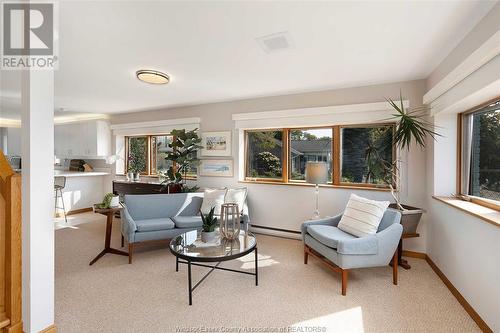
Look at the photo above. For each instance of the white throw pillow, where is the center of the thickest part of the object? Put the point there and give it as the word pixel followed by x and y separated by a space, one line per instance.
pixel 237 196
pixel 213 198
pixel 362 216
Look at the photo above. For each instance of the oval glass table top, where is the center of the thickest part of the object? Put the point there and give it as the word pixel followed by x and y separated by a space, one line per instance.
pixel 189 246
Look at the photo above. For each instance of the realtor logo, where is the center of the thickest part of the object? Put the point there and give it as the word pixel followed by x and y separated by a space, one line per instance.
pixel 28 35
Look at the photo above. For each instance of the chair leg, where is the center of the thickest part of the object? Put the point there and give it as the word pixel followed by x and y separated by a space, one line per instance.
pixel 306 255
pixel 344 281
pixel 130 252
pixel 64 208
pixel 395 268
pixel 123 241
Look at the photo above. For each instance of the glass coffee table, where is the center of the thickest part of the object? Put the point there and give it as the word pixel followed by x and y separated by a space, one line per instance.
pixel 189 249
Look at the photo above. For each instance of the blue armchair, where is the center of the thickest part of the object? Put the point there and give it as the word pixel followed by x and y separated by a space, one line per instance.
pixel 342 251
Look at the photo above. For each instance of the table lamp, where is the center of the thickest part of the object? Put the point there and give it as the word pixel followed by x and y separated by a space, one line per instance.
pixel 316 173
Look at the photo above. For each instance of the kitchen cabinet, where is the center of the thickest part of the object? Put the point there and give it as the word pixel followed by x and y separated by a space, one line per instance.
pixel 83 139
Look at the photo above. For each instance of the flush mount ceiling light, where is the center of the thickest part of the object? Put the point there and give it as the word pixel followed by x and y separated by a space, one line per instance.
pixel 151 76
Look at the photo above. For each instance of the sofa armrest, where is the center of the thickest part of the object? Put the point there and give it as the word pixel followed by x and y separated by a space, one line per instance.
pixel 331 221
pixel 128 224
pixel 388 240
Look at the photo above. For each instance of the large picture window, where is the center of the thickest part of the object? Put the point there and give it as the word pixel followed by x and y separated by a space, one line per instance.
pixel 479 153
pixel 148 152
pixel 355 155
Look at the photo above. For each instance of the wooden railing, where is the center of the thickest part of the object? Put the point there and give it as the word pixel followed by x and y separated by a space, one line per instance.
pixel 10 249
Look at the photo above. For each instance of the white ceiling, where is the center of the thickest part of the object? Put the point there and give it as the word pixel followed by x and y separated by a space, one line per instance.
pixel 210 51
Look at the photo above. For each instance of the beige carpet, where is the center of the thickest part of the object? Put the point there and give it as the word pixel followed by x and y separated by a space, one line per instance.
pixel 149 296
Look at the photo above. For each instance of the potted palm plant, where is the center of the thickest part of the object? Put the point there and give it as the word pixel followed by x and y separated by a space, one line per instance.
pixel 183 156
pixel 208 234
pixel 411 126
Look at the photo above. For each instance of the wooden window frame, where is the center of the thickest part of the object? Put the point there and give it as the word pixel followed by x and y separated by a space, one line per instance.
pixel 127 139
pixel 485 202
pixel 336 157
pixel 284 152
pixel 339 140
pixel 150 155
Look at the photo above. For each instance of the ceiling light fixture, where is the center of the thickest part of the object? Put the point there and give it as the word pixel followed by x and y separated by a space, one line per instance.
pixel 153 77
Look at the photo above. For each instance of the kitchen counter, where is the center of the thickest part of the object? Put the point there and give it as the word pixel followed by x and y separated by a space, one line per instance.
pixel 71 174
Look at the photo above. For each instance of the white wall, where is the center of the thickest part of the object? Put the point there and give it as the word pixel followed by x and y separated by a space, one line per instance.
pixel 465 248
pixel 286 207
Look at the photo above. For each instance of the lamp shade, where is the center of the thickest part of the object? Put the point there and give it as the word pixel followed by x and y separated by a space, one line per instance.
pixel 316 172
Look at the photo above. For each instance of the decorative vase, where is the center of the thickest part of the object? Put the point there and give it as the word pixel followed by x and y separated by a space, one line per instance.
pixel 137 176
pixel 130 176
pixel 208 237
pixel 229 221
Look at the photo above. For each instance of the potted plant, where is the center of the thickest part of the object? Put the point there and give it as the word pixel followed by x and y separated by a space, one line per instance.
pixel 208 234
pixel 410 127
pixel 110 200
pixel 183 156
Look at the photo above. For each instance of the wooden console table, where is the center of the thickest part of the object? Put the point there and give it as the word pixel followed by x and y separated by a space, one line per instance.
pixel 109 213
pixel 122 187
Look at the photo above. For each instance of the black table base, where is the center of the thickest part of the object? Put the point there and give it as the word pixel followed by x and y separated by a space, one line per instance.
pixel 190 263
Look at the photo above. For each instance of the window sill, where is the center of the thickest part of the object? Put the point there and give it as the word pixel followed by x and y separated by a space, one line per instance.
pixel 484 213
pixel 352 187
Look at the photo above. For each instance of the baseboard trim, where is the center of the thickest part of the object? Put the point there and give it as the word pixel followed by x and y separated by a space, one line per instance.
pixel 50 329
pixel 414 254
pixel 79 211
pixel 463 302
pixel 468 308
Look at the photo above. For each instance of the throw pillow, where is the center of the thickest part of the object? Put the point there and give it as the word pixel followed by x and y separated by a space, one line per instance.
pixel 362 216
pixel 236 195
pixel 213 198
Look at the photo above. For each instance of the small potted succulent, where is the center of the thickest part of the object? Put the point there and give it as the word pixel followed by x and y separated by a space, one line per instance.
pixel 110 201
pixel 208 233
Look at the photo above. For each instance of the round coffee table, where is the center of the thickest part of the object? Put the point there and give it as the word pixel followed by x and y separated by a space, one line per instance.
pixel 189 249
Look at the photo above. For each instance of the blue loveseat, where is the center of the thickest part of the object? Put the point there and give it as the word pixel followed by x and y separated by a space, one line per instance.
pixel 155 217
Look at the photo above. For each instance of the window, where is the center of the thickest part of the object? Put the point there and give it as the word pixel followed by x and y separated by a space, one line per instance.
pixel 148 152
pixel 365 154
pixel 354 154
pixel 479 153
pixel 264 158
pixel 160 149
pixel 309 145
pixel 137 156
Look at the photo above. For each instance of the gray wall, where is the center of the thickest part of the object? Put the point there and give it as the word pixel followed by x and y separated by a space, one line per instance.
pixel 286 207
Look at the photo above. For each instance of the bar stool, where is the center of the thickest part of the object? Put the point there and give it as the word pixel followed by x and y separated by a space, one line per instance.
pixel 59 185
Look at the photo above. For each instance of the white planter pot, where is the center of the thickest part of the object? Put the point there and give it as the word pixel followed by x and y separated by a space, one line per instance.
pixel 208 237
pixel 115 201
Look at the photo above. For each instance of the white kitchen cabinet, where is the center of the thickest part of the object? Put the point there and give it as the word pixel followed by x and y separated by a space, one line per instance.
pixel 83 139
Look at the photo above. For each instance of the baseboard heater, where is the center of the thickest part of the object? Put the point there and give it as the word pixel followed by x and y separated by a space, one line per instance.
pixel 259 229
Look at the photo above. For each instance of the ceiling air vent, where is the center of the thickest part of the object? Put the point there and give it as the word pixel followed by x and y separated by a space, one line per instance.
pixel 275 42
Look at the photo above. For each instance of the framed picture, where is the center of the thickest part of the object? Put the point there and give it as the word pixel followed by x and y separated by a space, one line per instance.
pixel 216 143
pixel 216 168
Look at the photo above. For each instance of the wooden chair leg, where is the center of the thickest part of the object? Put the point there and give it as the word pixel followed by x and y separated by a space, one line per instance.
pixel 306 255
pixel 130 252
pixel 344 281
pixel 395 268
pixel 123 241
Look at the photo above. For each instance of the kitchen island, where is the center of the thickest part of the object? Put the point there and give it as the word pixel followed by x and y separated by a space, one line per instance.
pixel 83 189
